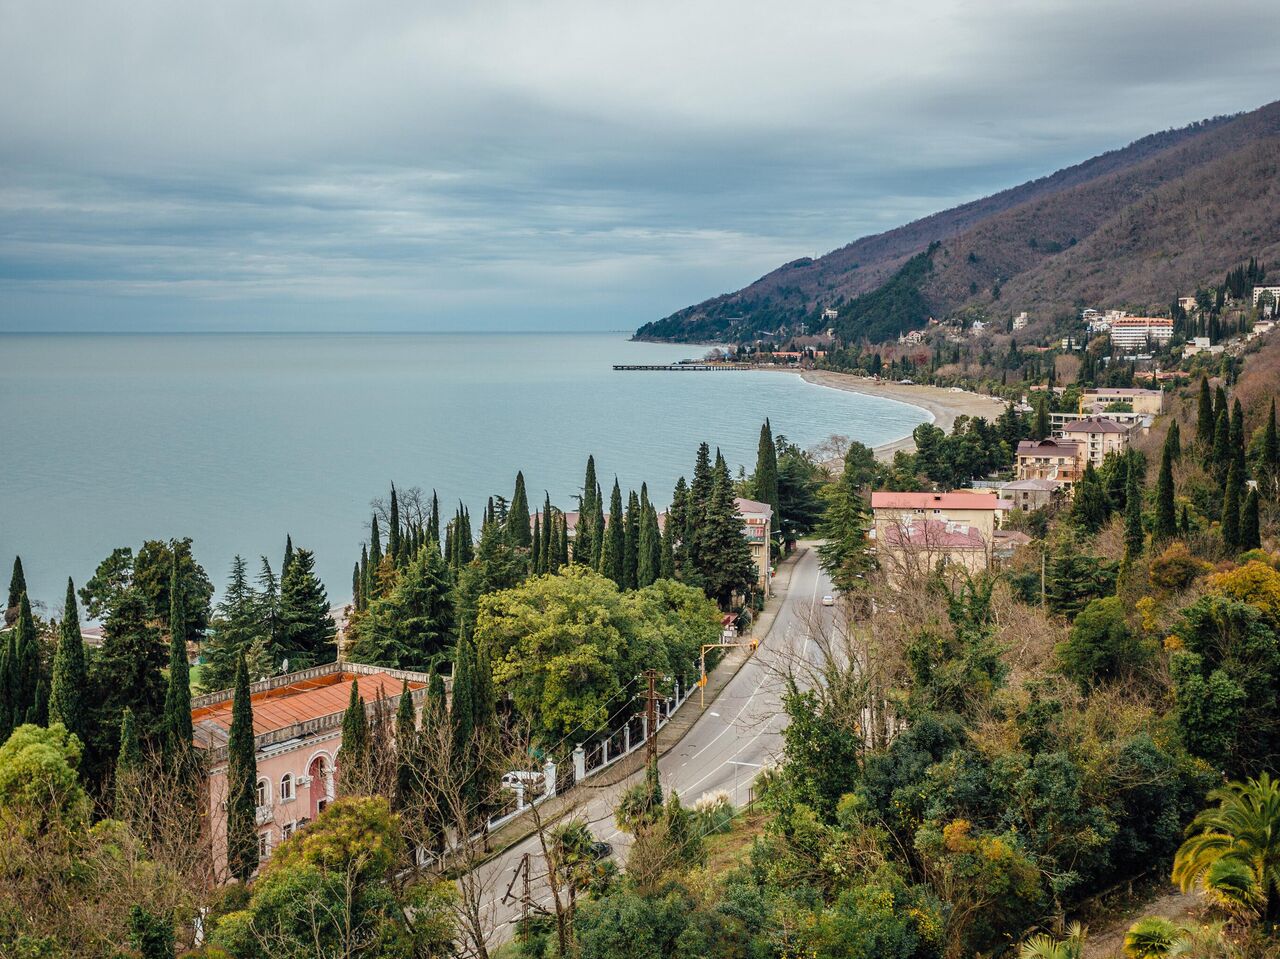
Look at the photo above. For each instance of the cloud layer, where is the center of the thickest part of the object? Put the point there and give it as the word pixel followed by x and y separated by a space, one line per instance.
pixel 556 164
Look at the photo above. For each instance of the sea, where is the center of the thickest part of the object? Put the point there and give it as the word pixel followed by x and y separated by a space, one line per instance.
pixel 236 440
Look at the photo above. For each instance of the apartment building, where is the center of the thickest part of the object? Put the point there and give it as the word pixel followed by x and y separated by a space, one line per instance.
pixel 1049 459
pixel 1130 333
pixel 1140 400
pixel 1096 436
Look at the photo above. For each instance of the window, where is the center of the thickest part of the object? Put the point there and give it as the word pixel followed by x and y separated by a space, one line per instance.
pixel 286 787
pixel 286 831
pixel 264 846
pixel 261 793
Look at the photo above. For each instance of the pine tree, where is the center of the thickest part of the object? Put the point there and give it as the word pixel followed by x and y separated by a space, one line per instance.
pixel 1206 420
pixel 70 676
pixel 242 782
pixel 177 730
pixel 631 545
pixel 724 554
pixel 129 666
pixel 613 559
pixel 1166 515
pixel 1250 523
pixel 17 589
pixel 306 634
pixel 1231 510
pixel 518 526
pixel 764 483
pixel 353 754
pixel 413 624
pixel 1134 538
pixel 406 749
pixel 1089 501
pixel 128 763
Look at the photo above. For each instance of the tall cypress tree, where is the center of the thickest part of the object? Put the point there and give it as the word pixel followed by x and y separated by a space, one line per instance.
pixel 1231 509
pixel 765 481
pixel 631 546
pixel 1271 442
pixel 1206 420
pixel 535 547
pixel 70 677
pixel 667 551
pixel 562 552
pixel 1250 523
pixel 406 749
pixel 394 546
pixel 1220 457
pixel 1040 427
pixel 17 588
pixel 375 544
pixel 177 730
pixel 24 671
pixel 242 782
pixel 1133 536
pixel 1173 439
pixel 649 559
pixel 353 754
pixel 587 536
pixel 1166 514
pixel 547 547
pixel 613 558
pixel 288 555
pixel 518 525
pixel 128 763
pixel 724 552
pixel 462 707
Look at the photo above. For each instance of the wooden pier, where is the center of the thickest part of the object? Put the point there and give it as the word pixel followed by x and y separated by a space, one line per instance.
pixel 695 367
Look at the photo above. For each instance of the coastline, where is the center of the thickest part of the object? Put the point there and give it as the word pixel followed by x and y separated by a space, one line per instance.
pixel 943 406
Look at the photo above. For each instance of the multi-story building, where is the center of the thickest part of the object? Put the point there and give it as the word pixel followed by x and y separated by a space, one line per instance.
pixel 917 532
pixel 1129 333
pixel 1139 400
pixel 757 526
pixel 1049 459
pixel 297 730
pixel 1020 321
pixel 1096 436
pixel 1272 291
pixel 1029 494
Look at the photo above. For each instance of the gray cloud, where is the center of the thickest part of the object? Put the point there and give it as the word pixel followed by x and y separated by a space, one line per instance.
pixel 557 164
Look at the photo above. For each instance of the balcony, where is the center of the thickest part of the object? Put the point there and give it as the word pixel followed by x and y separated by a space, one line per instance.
pixel 263 814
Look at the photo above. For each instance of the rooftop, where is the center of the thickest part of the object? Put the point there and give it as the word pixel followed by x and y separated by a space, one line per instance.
pixel 1120 391
pixel 749 506
pixel 1066 447
pixel 934 534
pixel 1094 424
pixel 1034 484
pixel 890 500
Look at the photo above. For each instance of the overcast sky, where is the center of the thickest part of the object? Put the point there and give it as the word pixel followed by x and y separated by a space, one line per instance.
pixel 557 165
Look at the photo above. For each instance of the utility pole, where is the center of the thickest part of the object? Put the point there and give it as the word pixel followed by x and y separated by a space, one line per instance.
pixel 651 716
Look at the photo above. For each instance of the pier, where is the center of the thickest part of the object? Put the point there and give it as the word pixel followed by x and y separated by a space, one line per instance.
pixel 697 367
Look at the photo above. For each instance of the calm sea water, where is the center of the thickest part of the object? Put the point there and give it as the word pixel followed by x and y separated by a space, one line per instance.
pixel 236 440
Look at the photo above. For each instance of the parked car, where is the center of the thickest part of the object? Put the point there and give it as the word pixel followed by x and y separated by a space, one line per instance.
pixel 601 850
pixel 828 600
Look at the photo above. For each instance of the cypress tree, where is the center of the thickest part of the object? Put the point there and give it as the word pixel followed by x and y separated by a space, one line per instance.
pixel 288 555
pixel 765 482
pixel 375 544
pixel 598 534
pixel 518 525
pixel 1231 510
pixel 356 581
pixel 1089 501
pixel 1133 535
pixel 1166 514
pixel 667 552
pixel 725 554
pixel 1040 427
pixel 18 588
pixel 547 547
pixel 1271 442
pixel 24 670
pixel 462 708
pixel 587 537
pixel 394 546
pixel 1250 524
pixel 1220 406
pixel 242 782
pixel 177 730
pixel 1206 421
pixel 649 562
pixel 1221 458
pixel 1237 427
pixel 353 754
pixel 433 522
pixel 8 661
pixel 406 749
pixel 128 762
pixel 1173 439
pixel 1184 524
pixel 631 546
pixel 562 556
pixel 613 557
pixel 70 677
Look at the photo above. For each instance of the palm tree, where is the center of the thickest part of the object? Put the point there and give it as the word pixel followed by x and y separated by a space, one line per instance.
pixel 1154 937
pixel 1045 946
pixel 1234 848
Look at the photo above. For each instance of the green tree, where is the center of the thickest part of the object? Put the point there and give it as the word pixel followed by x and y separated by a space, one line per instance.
pixel 1206 419
pixel 631 542
pixel 1173 439
pixel 1166 527
pixel 17 588
pixel 587 536
pixel 128 670
pixel 413 624
pixel 236 624
pixel 128 765
pixel 151 934
pixel 649 552
pixel 764 482
pixel 1220 458
pixel 518 524
pixel 406 749
pixel 177 729
pixel 1231 510
pixel 1234 848
pixel 844 553
pixel 354 753
pixel 1101 646
pixel 1134 537
pixel 70 676
pixel 1040 428
pixel 1250 523
pixel 306 630
pixel 39 785
pixel 724 554
pixel 1089 501
pixel 242 782
pixel 613 556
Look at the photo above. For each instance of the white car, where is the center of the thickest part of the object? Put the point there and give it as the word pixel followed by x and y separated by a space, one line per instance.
pixel 828 600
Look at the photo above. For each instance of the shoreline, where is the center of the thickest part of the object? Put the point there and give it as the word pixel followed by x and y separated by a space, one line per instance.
pixel 942 405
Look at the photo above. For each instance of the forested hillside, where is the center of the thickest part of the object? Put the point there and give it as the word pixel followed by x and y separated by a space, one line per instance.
pixel 1166 212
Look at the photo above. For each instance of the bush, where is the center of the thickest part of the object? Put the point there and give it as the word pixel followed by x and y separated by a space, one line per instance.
pixel 1101 646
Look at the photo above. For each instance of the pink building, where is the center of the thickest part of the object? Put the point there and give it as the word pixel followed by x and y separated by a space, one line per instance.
pixel 297 726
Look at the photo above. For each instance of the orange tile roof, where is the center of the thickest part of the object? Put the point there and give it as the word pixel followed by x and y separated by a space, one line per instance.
pixel 298 702
pixel 891 500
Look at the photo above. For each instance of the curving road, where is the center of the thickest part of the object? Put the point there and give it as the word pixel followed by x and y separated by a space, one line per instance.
pixel 735 737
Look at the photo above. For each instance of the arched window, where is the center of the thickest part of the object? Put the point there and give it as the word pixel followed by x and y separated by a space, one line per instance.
pixel 262 794
pixel 286 787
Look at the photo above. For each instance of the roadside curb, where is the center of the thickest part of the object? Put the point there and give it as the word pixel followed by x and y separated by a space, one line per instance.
pixel 669 735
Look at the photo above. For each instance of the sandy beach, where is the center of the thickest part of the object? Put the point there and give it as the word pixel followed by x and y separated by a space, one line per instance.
pixel 940 403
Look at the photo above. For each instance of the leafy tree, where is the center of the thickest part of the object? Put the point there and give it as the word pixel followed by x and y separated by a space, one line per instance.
pixel 1234 848
pixel 1101 646
pixel 70 676
pixel 38 781
pixel 306 630
pixel 151 934
pixel 242 782
pixel 153 577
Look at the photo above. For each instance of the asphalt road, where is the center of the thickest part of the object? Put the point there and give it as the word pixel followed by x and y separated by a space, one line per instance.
pixel 724 750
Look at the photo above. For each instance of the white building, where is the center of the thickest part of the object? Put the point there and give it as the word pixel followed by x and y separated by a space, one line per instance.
pixel 1259 290
pixel 1129 333
pixel 1020 321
